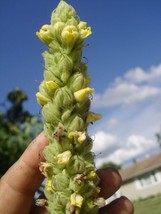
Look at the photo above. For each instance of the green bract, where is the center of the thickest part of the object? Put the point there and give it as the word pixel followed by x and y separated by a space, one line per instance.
pixel 72 183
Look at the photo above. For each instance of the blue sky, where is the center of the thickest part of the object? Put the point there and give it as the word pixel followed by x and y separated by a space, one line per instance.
pixel 124 61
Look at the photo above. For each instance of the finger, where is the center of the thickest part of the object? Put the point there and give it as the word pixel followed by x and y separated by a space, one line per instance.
pixel 110 181
pixel 118 206
pixel 18 185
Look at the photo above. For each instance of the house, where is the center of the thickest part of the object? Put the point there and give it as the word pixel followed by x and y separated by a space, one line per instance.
pixel 142 179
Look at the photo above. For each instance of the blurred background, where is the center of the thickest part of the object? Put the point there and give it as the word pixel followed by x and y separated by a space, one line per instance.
pixel 124 60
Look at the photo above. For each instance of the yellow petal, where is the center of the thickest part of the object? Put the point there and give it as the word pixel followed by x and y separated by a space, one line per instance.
pixel 82 137
pixel 48 185
pixel 51 85
pixel 92 117
pixel 70 34
pixel 84 30
pixel 91 175
pixel 45 34
pixel 45 168
pixel 82 94
pixel 41 99
pixel 76 200
pixel 64 157
pixel 79 136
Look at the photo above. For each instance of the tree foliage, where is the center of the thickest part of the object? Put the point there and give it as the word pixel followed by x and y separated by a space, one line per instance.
pixel 18 128
pixel 158 137
pixel 111 165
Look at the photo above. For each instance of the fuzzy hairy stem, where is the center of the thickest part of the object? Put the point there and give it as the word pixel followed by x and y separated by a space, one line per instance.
pixel 72 183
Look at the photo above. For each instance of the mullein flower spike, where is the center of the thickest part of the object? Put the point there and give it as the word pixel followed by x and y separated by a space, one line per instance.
pixel 72 183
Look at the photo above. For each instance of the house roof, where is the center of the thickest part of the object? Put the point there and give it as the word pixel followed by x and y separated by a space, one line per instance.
pixel 151 163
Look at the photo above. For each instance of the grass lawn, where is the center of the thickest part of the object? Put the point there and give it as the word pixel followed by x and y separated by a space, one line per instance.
pixel 150 205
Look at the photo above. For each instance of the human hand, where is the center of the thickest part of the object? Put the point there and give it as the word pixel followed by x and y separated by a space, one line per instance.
pixel 19 184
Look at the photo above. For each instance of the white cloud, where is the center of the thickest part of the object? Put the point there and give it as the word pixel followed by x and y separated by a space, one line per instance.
pixel 128 89
pixel 113 122
pixel 138 75
pixel 103 142
pixel 130 149
pixel 128 130
pixel 124 93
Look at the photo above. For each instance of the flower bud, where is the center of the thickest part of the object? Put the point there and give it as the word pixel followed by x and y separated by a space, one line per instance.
pixel 65 67
pixel 51 151
pixel 76 165
pixel 76 82
pixel 69 36
pixel 82 94
pixel 77 124
pixel 76 200
pixel 84 30
pixel 50 86
pixel 88 189
pixel 45 34
pixel 41 99
pixel 64 157
pixel 57 29
pixel 62 197
pixel 91 117
pixel 63 12
pixel 51 64
pixel 65 116
pixel 63 97
pixel 83 108
pixel 46 168
pixel 48 75
pixel 60 182
pixel 51 113
pixel 80 137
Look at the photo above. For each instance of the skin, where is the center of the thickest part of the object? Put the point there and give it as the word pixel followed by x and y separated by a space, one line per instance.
pixel 18 185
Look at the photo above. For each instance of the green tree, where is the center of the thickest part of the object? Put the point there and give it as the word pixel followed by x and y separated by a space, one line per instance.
pixel 18 128
pixel 111 165
pixel 158 136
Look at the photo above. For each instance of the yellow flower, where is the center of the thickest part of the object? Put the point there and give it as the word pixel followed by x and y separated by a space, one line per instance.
pixel 82 137
pixel 82 94
pixel 45 34
pixel 70 34
pixel 100 202
pixel 91 117
pixel 84 30
pixel 64 157
pixel 41 99
pixel 79 136
pixel 76 200
pixel 45 168
pixel 51 85
pixel 48 185
pixel 91 175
